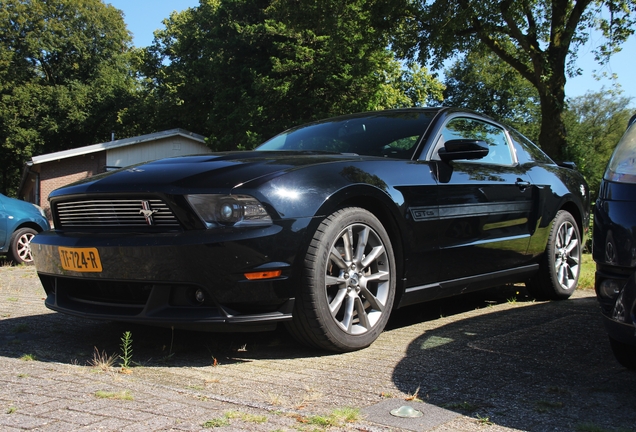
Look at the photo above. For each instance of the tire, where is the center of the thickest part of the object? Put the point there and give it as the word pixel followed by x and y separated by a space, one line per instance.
pixel 348 283
pixel 625 354
pixel 559 269
pixel 20 247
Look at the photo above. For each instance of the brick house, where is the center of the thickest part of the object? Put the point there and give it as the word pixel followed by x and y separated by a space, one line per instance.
pixel 45 173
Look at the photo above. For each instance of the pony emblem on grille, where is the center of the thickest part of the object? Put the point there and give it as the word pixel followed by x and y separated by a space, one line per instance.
pixel 147 212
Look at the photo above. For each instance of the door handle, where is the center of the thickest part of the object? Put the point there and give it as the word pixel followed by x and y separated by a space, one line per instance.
pixel 522 184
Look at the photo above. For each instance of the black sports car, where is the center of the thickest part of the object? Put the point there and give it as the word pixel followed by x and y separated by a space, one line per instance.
pixel 614 248
pixel 327 227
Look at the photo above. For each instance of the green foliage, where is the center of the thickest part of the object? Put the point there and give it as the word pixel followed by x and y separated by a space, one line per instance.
pixel 65 78
pixel 126 350
pixel 595 123
pixel 482 81
pixel 538 39
pixel 241 71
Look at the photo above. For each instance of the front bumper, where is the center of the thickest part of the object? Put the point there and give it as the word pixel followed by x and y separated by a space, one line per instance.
pixel 192 279
pixel 619 311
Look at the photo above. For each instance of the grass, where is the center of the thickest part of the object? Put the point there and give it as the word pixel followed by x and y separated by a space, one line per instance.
pixel 232 415
pixel 588 268
pixel 102 360
pixel 28 357
pixel 122 395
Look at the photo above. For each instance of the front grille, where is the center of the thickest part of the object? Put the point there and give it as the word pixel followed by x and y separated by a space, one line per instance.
pixel 115 213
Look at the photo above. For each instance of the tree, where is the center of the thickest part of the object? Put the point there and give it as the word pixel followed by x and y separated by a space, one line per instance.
pixel 482 81
pixel 65 78
pixel 595 123
pixel 539 39
pixel 240 71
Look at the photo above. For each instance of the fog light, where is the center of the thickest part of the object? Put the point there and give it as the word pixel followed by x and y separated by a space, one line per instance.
pixel 199 295
pixel 609 288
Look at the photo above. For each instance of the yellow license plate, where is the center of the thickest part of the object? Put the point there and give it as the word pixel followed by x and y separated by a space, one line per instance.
pixel 80 259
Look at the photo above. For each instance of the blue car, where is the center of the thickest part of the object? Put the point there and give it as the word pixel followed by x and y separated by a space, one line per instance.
pixel 615 248
pixel 20 221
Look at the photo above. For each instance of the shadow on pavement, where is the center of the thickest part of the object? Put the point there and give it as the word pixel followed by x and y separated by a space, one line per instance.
pixel 546 366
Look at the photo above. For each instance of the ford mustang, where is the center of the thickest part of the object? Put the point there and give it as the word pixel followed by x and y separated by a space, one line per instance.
pixel 328 228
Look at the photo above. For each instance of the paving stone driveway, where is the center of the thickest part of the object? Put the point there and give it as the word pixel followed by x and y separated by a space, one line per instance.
pixel 489 361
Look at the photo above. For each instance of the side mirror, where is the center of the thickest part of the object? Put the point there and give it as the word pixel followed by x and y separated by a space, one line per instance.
pixel 566 164
pixel 463 149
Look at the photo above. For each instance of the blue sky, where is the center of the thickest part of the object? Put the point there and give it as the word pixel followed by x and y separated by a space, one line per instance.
pixel 143 17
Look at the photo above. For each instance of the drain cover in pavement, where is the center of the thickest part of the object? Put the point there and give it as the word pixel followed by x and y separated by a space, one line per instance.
pixel 432 415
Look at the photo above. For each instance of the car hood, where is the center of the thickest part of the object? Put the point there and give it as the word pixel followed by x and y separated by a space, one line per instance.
pixel 218 171
pixel 15 206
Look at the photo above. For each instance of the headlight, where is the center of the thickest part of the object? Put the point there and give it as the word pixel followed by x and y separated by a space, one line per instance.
pixel 217 210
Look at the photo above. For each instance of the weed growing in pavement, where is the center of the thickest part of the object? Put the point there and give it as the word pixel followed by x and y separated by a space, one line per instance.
pixel 102 360
pixel 337 418
pixel 126 351
pixel 513 300
pixel 11 410
pixel 217 422
pixel 23 375
pixel 246 417
pixel 122 395
pixel 13 299
pixel 28 357
pixel 484 420
pixel 276 399
pixel 414 397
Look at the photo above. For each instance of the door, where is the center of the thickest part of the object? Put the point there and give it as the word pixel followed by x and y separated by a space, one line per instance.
pixel 485 205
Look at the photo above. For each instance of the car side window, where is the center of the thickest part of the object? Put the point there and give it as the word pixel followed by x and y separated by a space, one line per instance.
pixel 468 128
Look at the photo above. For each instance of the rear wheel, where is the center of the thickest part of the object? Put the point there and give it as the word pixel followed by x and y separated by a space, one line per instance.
pixel 560 267
pixel 348 283
pixel 625 354
pixel 20 248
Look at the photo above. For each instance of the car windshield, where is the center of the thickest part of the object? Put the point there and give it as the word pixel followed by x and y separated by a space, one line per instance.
pixel 622 165
pixel 393 134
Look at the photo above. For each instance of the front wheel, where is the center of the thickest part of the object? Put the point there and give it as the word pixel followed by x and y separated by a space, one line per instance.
pixel 560 266
pixel 20 248
pixel 348 283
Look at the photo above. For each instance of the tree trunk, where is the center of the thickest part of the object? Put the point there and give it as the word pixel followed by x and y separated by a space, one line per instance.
pixel 553 136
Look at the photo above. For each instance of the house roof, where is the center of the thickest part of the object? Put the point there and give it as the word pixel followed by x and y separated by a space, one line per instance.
pixel 115 144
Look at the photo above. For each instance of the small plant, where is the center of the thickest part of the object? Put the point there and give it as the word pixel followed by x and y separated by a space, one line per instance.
pixel 414 396
pixel 28 357
pixel 102 360
pixel 126 350
pixel 337 418
pixel 23 375
pixel 484 420
pixel 122 395
pixel 13 299
pixel 11 410
pixel 217 422
pixel 250 418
